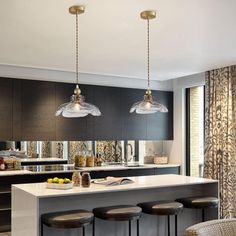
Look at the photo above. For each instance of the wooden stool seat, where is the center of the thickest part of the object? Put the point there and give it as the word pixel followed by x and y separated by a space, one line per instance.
pixel 161 208
pixel 67 219
pixel 119 213
pixel 200 203
pixel 167 208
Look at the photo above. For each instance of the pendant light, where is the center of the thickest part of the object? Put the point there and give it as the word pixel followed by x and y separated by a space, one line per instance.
pixel 77 107
pixel 148 105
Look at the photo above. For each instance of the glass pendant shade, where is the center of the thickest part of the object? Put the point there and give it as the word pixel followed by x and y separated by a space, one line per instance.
pixel 77 107
pixel 148 105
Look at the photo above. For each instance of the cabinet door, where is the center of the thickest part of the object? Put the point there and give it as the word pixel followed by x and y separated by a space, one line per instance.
pixel 167 170
pixel 160 125
pixel 134 125
pixel 70 128
pixel 108 126
pixel 37 110
pixel 6 103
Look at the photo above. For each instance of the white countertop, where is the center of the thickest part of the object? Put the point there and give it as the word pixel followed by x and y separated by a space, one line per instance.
pixel 14 172
pixel 122 167
pixel 50 159
pixel 96 168
pixel 142 182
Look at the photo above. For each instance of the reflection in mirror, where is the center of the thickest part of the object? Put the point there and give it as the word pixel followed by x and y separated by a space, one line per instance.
pixel 110 152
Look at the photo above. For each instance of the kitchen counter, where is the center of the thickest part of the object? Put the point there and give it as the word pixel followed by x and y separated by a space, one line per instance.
pixel 50 159
pixel 119 167
pixel 29 201
pixel 142 182
pixel 42 161
pixel 69 168
pixel 14 172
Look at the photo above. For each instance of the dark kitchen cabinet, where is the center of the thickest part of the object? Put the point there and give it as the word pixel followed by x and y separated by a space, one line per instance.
pixel 167 170
pixel 109 125
pixel 35 108
pixel 6 114
pixel 122 173
pixel 160 125
pixel 27 112
pixel 134 125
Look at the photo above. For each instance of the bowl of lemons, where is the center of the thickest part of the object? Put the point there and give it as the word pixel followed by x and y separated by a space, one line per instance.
pixel 59 183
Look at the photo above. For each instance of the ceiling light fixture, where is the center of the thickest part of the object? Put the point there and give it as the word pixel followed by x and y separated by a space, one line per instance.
pixel 148 105
pixel 77 107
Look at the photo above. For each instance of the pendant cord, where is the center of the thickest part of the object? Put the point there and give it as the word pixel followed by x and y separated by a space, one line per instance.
pixel 148 54
pixel 77 48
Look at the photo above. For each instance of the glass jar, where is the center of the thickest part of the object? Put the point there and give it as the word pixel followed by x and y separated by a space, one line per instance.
pixel 90 159
pixel 76 178
pixel 80 159
pixel 86 180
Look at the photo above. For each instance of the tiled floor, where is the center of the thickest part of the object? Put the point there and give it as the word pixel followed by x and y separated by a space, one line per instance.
pixel 5 234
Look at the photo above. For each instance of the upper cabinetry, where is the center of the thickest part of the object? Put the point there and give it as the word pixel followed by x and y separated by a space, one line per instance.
pixel 27 113
pixel 6 107
pixel 35 110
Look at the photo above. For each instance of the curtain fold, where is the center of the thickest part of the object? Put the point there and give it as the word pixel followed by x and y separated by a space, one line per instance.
pixel 220 135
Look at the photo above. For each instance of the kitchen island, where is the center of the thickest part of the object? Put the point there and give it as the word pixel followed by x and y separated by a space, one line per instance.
pixel 30 201
pixel 40 173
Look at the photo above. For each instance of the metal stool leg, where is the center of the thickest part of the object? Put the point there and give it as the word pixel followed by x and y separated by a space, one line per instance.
pixel 203 215
pixel 176 225
pixel 129 227
pixel 137 227
pixel 83 231
pixel 168 225
pixel 93 227
pixel 41 228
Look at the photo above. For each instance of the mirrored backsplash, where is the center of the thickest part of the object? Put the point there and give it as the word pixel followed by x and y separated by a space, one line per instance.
pixel 109 151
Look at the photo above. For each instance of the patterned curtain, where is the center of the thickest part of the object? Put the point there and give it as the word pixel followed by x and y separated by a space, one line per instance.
pixel 220 139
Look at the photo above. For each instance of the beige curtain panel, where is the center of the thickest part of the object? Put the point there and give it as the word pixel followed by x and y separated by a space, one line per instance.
pixel 220 135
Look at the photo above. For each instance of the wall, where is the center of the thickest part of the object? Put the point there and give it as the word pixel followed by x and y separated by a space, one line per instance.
pixel 176 149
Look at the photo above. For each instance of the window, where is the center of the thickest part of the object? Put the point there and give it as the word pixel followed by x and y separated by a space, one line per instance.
pixel 195 131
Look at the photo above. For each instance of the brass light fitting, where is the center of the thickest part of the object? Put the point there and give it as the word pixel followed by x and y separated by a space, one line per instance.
pixel 148 105
pixel 77 107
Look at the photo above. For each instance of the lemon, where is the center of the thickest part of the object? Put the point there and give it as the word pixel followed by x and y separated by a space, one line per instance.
pixel 49 180
pixel 67 181
pixel 55 180
pixel 61 181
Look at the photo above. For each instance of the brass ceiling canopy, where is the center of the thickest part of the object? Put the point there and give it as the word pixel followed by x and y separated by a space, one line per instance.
pixel 77 9
pixel 148 15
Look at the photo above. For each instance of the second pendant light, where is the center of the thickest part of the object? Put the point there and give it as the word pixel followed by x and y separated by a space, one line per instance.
pixel 148 105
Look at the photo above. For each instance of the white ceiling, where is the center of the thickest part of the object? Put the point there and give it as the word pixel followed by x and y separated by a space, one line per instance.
pixel 189 36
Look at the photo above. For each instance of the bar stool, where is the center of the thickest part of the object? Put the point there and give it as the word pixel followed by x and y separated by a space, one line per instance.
pixel 119 213
pixel 163 208
pixel 67 220
pixel 200 203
